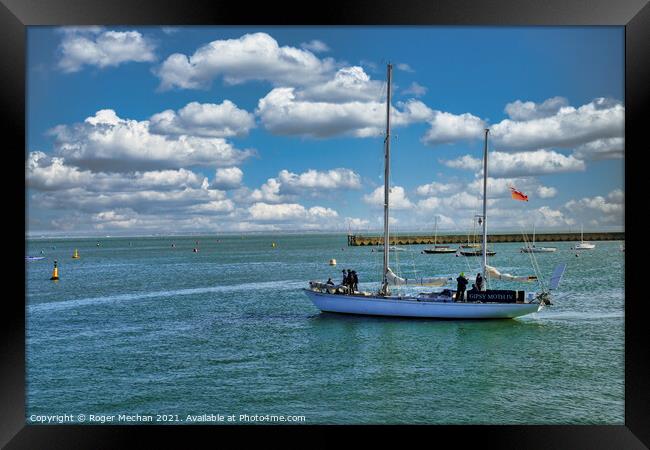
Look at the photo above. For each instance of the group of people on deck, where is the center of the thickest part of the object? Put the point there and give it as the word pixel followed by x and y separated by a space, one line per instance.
pixel 350 280
pixel 462 286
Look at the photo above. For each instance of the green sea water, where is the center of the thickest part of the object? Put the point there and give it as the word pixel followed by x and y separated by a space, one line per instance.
pixel 136 326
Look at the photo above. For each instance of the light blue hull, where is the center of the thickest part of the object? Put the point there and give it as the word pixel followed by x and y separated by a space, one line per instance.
pixel 411 307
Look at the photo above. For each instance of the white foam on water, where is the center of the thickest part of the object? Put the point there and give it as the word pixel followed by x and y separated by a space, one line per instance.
pixel 582 315
pixel 65 304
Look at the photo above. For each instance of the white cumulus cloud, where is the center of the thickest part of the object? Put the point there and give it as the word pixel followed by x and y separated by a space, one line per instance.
pixel 415 89
pixel 613 204
pixel 93 47
pixel 608 148
pixel 397 198
pixel 447 127
pixel 348 84
pixel 519 110
pixel 339 178
pixel 47 173
pixel 255 56
pixel 546 192
pixel 203 119
pixel 315 46
pixel 227 178
pixel 107 142
pixel 288 211
pixel 283 113
pixel 502 164
pixel 437 188
pixel 568 127
pixel 356 223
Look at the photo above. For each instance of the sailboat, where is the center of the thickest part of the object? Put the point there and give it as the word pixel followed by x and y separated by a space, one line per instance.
pixel 477 251
pixel 484 304
pixel 473 249
pixel 583 245
pixel 528 248
pixel 438 249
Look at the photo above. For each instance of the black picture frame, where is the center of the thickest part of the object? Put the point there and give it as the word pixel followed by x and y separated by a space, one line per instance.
pixel 634 15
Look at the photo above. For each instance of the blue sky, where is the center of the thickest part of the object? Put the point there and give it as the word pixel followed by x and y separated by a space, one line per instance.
pixel 206 129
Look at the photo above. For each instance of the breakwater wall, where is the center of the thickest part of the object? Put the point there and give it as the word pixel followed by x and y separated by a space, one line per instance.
pixel 357 239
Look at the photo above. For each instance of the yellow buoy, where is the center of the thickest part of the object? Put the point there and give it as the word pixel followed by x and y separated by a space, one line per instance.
pixel 55 272
pixel 332 262
pixel 75 255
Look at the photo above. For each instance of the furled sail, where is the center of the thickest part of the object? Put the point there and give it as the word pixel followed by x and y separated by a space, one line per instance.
pixel 494 273
pixel 421 281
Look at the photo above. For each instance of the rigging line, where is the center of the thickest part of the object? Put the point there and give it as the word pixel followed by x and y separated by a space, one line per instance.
pixel 534 263
pixel 415 271
pixel 538 271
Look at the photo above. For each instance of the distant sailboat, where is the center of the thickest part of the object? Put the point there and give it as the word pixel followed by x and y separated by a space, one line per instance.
pixel 478 251
pixel 484 304
pixel 436 249
pixel 583 245
pixel 474 249
pixel 528 248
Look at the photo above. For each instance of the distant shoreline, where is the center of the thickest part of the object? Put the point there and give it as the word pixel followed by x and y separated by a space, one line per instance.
pixel 368 234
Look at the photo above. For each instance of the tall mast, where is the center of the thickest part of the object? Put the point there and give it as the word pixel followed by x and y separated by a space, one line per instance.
pixel 435 237
pixel 485 176
pixel 384 285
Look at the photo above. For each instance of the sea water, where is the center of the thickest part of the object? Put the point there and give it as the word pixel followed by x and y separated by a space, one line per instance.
pixel 139 328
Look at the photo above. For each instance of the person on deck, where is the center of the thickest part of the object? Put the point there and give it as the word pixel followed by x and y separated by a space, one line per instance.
pixel 355 281
pixel 462 285
pixel 479 282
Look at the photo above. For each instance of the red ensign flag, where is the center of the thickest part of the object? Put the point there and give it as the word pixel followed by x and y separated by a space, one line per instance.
pixel 517 195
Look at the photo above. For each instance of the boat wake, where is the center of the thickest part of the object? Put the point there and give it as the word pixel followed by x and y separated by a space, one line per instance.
pixel 65 304
pixel 575 315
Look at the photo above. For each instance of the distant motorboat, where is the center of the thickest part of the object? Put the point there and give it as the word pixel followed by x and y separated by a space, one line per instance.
pixel 534 249
pixel 34 258
pixel 393 248
pixel 440 249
